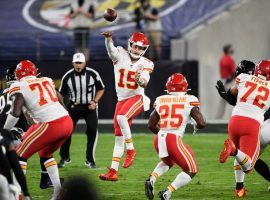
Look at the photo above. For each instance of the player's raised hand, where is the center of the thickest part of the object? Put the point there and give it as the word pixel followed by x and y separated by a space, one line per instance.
pixel 221 89
pixel 107 34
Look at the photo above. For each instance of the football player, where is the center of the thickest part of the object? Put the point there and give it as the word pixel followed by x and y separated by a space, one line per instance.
pixel 9 161
pixel 248 67
pixel 132 73
pixel 168 121
pixel 252 93
pixel 40 99
pixel 22 124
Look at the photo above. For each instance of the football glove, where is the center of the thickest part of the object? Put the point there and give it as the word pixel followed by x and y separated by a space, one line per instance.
pixel 16 133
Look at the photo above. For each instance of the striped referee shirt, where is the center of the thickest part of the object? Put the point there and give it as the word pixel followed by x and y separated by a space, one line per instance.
pixel 81 88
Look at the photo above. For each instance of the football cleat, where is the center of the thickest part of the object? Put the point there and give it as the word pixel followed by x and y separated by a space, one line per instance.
pixel 149 189
pixel 45 181
pixel 130 155
pixel 241 193
pixel 91 165
pixel 63 162
pixel 165 194
pixel 228 150
pixel 111 175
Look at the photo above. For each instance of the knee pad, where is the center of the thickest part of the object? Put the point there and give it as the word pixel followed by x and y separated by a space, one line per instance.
pixel 121 119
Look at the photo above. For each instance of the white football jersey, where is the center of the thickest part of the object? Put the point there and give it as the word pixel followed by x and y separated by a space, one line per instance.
pixel 40 99
pixel 253 97
pixel 125 71
pixel 174 111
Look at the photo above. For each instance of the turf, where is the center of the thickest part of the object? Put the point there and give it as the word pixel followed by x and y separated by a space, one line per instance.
pixel 214 181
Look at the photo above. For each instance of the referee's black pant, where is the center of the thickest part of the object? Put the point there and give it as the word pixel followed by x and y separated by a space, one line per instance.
pixel 91 119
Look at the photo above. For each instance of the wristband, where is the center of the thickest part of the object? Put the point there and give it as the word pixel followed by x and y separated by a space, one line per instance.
pixel 11 121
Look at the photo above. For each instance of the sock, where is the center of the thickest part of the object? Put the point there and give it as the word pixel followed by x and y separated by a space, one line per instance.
pixel 118 152
pixel 42 167
pixel 160 169
pixel 263 169
pixel 23 166
pixel 239 175
pixel 181 180
pixel 52 169
pixel 125 129
pixel 244 160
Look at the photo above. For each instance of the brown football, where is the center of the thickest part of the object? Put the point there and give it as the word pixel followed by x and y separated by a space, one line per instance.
pixel 110 14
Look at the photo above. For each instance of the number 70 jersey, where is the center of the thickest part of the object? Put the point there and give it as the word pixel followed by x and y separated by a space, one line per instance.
pixel 174 112
pixel 40 99
pixel 253 97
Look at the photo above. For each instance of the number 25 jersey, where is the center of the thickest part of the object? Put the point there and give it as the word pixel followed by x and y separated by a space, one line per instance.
pixel 125 70
pixel 174 111
pixel 40 99
pixel 253 97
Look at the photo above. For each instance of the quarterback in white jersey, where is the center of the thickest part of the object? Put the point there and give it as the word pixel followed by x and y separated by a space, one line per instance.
pixel 168 121
pixel 52 122
pixel 132 73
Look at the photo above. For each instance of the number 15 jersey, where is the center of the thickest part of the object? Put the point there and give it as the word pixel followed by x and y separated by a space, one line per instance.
pixel 125 70
pixel 40 99
pixel 253 97
pixel 174 111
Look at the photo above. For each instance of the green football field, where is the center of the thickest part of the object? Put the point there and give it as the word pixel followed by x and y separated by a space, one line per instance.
pixel 214 181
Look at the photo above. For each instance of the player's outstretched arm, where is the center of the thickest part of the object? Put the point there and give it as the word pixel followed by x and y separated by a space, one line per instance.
pixel 153 122
pixel 111 49
pixel 226 95
pixel 196 114
pixel 16 109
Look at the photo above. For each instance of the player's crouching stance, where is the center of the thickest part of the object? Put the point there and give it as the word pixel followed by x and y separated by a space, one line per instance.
pixel 53 124
pixel 252 93
pixel 168 121
pixel 132 74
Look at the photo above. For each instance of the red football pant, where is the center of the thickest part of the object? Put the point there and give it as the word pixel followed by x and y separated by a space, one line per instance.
pixel 45 138
pixel 130 108
pixel 179 153
pixel 244 132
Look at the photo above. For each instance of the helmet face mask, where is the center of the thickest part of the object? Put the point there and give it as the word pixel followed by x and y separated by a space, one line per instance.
pixel 246 67
pixel 263 70
pixel 176 83
pixel 137 45
pixel 25 68
pixel 10 75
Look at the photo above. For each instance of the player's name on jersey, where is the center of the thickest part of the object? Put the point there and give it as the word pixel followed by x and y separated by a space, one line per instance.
pixel 35 80
pixel 260 81
pixel 173 100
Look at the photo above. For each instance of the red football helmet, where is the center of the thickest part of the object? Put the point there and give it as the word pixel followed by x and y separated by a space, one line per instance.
pixel 138 39
pixel 25 68
pixel 263 69
pixel 176 83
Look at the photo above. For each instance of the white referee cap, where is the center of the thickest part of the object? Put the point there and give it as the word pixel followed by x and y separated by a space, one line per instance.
pixel 78 57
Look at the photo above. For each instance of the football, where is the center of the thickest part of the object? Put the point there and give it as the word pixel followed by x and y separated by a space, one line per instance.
pixel 110 14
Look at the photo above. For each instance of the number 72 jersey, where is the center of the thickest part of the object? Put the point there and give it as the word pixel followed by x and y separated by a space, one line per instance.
pixel 174 112
pixel 253 97
pixel 40 99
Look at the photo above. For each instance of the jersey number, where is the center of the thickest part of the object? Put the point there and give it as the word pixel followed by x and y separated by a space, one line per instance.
pixel 45 86
pixel 127 79
pixel 5 102
pixel 259 99
pixel 169 117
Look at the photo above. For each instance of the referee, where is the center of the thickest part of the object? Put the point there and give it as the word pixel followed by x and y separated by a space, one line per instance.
pixel 83 87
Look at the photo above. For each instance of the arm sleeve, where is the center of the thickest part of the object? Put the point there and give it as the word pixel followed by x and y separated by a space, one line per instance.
pixel 113 52
pixel 99 83
pixel 191 103
pixel 63 89
pixel 15 88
